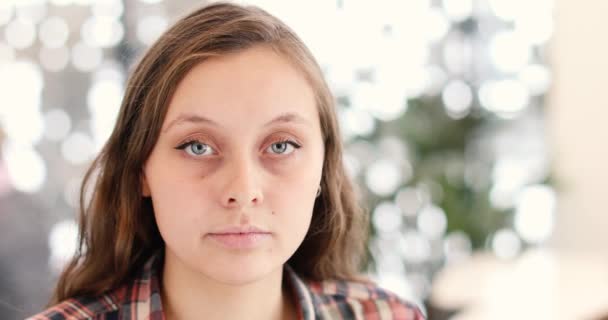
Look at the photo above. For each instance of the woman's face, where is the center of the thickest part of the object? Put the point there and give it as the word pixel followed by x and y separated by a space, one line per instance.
pixel 234 173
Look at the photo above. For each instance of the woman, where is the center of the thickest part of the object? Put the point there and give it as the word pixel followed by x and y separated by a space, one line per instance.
pixel 221 193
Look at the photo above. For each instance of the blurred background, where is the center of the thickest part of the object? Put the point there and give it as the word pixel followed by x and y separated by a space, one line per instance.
pixel 475 128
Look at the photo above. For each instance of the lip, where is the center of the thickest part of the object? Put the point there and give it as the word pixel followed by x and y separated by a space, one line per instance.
pixel 240 237
pixel 239 229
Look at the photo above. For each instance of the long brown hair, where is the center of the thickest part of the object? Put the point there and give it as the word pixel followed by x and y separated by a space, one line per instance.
pixel 117 229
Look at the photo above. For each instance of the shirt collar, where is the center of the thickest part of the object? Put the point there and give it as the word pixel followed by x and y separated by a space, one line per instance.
pixel 302 293
pixel 145 299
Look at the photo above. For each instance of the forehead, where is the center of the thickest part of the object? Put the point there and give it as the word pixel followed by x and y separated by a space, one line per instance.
pixel 248 86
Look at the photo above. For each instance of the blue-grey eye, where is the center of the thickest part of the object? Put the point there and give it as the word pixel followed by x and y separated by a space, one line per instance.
pixel 281 147
pixel 194 148
pixel 197 148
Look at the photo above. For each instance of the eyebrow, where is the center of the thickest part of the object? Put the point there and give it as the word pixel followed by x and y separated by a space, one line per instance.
pixel 288 117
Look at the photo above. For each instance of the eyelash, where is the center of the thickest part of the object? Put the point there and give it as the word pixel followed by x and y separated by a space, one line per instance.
pixel 186 144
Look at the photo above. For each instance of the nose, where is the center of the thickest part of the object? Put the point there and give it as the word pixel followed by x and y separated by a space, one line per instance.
pixel 242 189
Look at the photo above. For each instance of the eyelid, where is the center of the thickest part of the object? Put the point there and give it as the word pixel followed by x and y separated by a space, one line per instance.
pixel 289 141
pixel 198 138
pixel 185 144
pixel 182 147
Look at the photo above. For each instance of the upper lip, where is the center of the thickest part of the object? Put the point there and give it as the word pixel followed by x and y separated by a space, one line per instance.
pixel 239 229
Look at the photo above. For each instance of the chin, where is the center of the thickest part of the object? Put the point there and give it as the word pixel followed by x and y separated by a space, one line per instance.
pixel 240 273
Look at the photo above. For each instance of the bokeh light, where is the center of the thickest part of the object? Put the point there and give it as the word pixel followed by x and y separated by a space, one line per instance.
pixel 60 3
pixel 457 54
pixel 509 51
pixel 457 246
pixel 432 222
pixel 57 124
pixel 410 200
pixel 7 53
pixel 85 57
pixel 108 8
pixel 506 98
pixel 149 28
pixel 535 212
pixel 383 177
pixel 102 31
pixel 77 148
pixel 103 100
pixel 6 12
pixel 507 10
pixel 458 10
pixel 54 32
pixel 31 10
pixel 54 59
pixel 414 247
pixel 506 244
pixel 22 83
pixel 536 77
pixel 63 240
pixel 386 217
pixel 20 34
pixel 355 122
pixel 352 165
pixel 27 169
pixel 457 99
pixel 385 102
pixel 71 192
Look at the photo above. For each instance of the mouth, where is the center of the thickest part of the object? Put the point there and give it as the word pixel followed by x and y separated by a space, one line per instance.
pixel 240 238
pixel 239 230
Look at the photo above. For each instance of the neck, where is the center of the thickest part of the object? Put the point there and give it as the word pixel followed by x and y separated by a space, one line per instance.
pixel 187 294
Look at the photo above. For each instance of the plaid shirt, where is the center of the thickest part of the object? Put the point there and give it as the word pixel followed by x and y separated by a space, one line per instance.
pixel 141 299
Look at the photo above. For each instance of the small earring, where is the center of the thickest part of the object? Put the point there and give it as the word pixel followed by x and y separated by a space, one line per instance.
pixel 319 191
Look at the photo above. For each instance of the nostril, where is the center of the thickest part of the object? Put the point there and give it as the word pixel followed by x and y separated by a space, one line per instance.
pixel 244 201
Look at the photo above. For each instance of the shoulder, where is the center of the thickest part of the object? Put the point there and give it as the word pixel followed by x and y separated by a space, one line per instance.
pixel 103 307
pixel 361 300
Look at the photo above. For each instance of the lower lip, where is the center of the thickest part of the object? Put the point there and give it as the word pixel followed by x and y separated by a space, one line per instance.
pixel 240 240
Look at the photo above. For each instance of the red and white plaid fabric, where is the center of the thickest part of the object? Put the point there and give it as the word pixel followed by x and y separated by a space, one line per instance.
pixel 331 299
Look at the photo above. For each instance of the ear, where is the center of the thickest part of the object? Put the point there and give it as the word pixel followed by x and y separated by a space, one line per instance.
pixel 145 189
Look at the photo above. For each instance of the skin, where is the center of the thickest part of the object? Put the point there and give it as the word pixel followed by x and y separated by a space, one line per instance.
pixel 238 172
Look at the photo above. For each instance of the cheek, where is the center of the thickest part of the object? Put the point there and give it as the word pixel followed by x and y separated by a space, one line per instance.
pixel 174 202
pixel 174 213
pixel 292 206
pixel 170 181
pixel 296 191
